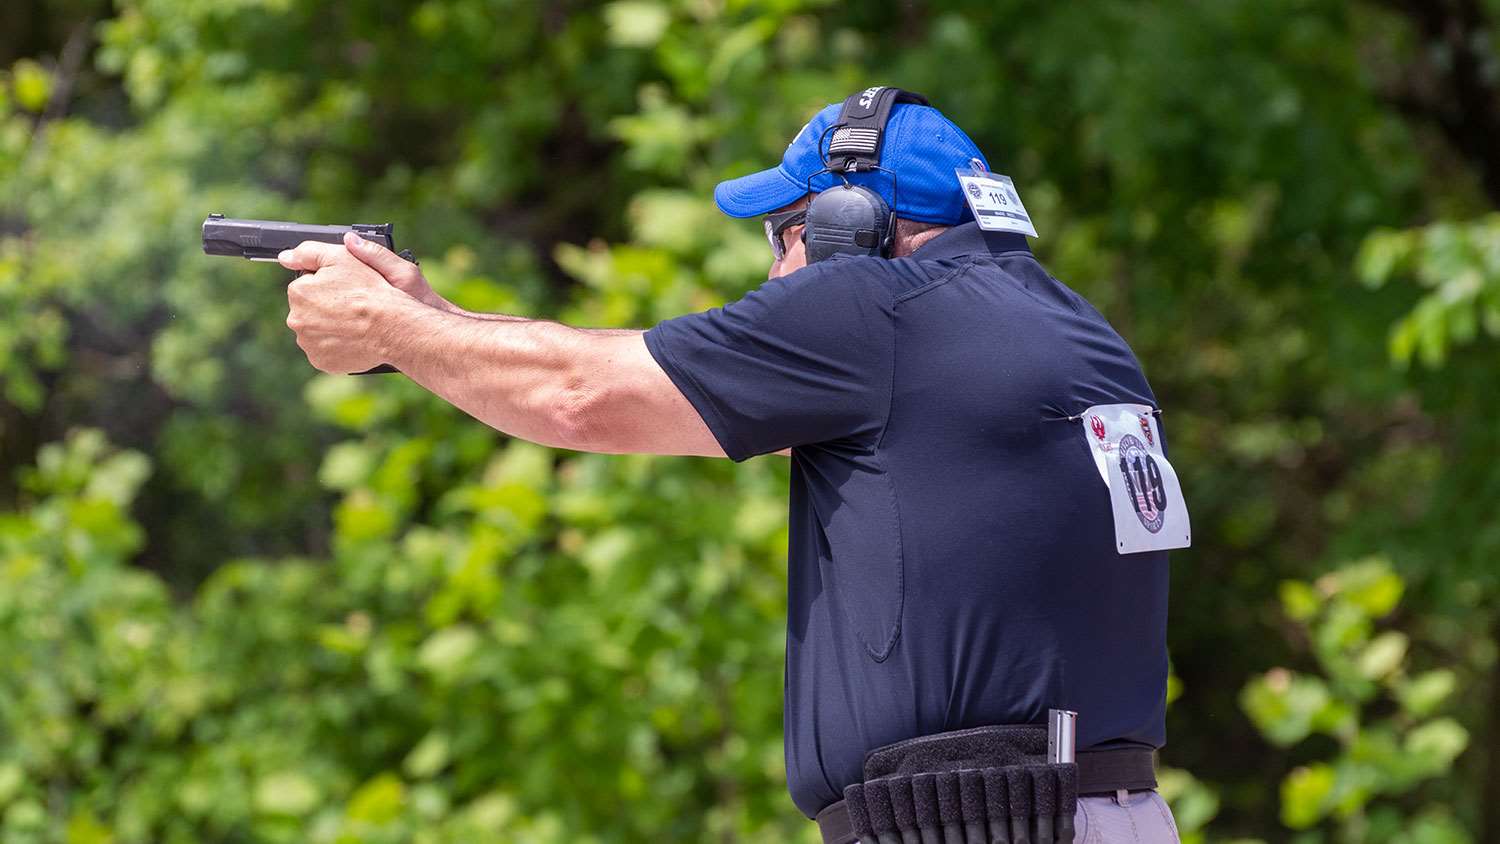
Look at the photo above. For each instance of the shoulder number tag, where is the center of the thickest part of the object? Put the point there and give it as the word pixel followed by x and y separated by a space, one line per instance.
pixel 993 199
pixel 1150 513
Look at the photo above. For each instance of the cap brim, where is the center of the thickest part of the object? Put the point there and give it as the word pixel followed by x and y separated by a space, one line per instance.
pixel 758 193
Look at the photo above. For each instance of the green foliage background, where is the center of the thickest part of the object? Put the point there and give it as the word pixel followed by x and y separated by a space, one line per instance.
pixel 240 601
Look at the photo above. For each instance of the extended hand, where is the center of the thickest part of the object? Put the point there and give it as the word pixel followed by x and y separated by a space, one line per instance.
pixel 345 312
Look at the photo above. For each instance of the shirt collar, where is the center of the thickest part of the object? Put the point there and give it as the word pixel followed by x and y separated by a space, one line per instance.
pixel 969 239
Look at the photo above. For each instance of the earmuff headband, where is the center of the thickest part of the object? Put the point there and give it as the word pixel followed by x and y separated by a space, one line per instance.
pixel 859 132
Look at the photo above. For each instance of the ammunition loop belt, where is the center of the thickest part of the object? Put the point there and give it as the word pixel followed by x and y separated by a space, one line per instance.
pixel 985 785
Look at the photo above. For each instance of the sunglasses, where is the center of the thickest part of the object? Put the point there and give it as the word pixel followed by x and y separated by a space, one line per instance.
pixel 778 223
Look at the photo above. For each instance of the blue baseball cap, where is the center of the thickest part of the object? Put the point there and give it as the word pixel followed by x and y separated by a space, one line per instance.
pixel 921 145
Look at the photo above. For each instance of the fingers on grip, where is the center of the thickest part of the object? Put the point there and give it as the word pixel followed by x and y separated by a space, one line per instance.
pixel 308 256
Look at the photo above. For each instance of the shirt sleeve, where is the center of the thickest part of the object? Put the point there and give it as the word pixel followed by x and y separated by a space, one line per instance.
pixel 804 358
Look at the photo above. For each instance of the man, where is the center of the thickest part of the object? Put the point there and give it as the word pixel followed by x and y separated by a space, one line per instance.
pixel 952 558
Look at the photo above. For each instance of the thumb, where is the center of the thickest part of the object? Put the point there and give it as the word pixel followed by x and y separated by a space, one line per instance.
pixel 396 269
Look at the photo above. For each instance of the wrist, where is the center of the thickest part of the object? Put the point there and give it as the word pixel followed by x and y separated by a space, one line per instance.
pixel 398 322
pixel 432 299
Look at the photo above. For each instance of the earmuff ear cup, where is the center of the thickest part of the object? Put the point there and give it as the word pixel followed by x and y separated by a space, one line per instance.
pixel 847 220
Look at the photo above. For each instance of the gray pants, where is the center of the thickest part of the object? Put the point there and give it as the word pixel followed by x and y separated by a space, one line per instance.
pixel 1136 817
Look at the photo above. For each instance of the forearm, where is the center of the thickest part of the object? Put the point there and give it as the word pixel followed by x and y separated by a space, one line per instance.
pixel 451 308
pixel 516 375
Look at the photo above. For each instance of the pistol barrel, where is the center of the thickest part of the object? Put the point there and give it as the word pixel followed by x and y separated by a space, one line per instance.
pixel 263 240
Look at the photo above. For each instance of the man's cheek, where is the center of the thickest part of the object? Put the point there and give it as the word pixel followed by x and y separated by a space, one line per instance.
pixel 796 255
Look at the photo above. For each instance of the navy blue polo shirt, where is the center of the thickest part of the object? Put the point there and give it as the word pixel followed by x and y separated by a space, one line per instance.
pixel 951 559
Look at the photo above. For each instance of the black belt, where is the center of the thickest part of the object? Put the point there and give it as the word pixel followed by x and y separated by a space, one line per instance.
pixel 1099 772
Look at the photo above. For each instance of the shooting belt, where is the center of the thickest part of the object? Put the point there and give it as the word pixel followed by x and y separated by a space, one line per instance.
pixel 985 785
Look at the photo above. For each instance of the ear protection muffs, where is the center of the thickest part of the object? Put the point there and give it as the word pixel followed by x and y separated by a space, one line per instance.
pixel 850 219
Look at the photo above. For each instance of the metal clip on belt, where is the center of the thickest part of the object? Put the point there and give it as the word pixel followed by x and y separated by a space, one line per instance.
pixel 986 785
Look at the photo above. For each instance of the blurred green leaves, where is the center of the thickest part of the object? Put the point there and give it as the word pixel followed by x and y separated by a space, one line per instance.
pixel 30 85
pixel 1458 265
pixel 286 793
pixel 636 23
pixel 1378 754
pixel 382 697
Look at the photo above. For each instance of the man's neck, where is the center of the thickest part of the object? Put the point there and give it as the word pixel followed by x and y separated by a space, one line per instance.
pixel 907 245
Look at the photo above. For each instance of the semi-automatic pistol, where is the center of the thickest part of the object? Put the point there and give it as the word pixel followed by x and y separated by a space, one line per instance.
pixel 263 240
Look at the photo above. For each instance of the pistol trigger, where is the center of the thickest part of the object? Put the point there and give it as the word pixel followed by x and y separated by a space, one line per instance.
pixel 407 254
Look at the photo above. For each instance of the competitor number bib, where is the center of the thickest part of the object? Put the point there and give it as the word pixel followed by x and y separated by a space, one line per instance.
pixel 1150 513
